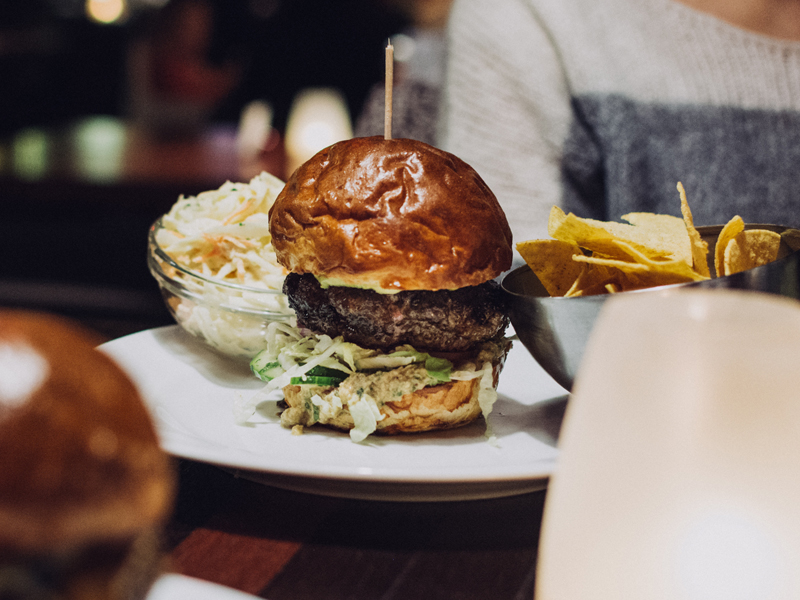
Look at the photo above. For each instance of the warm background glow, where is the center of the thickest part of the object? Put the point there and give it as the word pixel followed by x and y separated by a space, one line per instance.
pixel 106 11
pixel 318 118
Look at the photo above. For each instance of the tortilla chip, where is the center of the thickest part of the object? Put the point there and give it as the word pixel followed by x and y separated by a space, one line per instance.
pixel 555 220
pixel 699 245
pixel 587 256
pixel 552 262
pixel 749 249
pixel 669 231
pixel 791 237
pixel 731 229
pixel 600 236
pixel 650 274
pixel 593 279
pixel 668 268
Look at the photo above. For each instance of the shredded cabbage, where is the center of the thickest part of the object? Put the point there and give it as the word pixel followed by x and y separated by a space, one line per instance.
pixel 487 396
pixel 366 415
pixel 223 234
pixel 296 352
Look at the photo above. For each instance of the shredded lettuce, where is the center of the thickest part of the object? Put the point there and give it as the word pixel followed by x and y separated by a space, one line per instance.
pixel 487 396
pixel 366 415
pixel 292 352
pixel 438 368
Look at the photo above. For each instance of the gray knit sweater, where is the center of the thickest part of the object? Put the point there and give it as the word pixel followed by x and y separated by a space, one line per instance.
pixel 602 106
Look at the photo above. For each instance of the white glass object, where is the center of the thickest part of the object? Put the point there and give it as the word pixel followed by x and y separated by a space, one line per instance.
pixel 679 468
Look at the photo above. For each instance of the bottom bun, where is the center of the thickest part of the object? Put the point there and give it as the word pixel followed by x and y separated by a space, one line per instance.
pixel 443 406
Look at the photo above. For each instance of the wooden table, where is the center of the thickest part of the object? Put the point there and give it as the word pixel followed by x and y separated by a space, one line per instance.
pixel 280 544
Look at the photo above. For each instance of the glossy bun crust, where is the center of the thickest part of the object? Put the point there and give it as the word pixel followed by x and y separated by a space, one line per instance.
pixel 82 477
pixel 398 214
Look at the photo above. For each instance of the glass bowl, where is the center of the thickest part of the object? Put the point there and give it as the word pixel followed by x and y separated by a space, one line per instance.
pixel 555 330
pixel 230 318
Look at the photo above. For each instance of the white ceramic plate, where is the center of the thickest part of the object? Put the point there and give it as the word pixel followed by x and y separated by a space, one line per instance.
pixel 191 391
pixel 179 587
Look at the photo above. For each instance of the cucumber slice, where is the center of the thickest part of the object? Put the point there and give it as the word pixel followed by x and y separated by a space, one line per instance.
pixel 316 380
pixel 320 371
pixel 265 369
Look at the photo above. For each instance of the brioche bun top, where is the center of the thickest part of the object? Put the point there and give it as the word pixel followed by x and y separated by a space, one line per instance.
pixel 392 214
pixel 79 456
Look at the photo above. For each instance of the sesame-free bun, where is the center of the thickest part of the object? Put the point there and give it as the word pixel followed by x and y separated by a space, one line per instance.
pixel 81 473
pixel 395 214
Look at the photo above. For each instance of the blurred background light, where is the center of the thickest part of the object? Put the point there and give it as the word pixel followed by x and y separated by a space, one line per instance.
pixel 107 11
pixel 255 127
pixel 404 46
pixel 100 145
pixel 318 118
pixel 31 153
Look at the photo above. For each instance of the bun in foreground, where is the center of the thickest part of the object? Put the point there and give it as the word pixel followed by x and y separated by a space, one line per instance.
pixel 84 486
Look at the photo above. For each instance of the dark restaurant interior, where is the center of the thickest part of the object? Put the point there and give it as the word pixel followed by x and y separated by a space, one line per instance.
pixel 659 377
pixel 85 170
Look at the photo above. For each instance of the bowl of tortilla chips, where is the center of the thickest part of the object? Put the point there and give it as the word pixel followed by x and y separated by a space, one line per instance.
pixel 556 297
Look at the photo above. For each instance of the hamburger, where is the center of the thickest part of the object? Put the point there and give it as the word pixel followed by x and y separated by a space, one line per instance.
pixel 392 247
pixel 84 486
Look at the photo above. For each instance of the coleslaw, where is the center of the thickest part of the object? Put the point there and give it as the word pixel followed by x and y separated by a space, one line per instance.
pixel 214 259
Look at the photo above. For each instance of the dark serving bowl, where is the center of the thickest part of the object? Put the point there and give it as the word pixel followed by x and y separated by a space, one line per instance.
pixel 555 330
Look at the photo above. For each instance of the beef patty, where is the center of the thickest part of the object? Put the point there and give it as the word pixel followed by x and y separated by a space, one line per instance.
pixel 444 320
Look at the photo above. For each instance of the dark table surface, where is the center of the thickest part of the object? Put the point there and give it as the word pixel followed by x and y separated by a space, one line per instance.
pixel 281 544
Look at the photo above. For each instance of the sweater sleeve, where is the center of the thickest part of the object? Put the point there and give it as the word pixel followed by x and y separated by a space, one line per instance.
pixel 506 107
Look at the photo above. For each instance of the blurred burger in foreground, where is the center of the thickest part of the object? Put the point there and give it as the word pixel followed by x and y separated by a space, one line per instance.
pixel 84 486
pixel 392 248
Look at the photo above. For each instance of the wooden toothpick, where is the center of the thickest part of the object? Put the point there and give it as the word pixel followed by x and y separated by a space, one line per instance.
pixel 387 118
